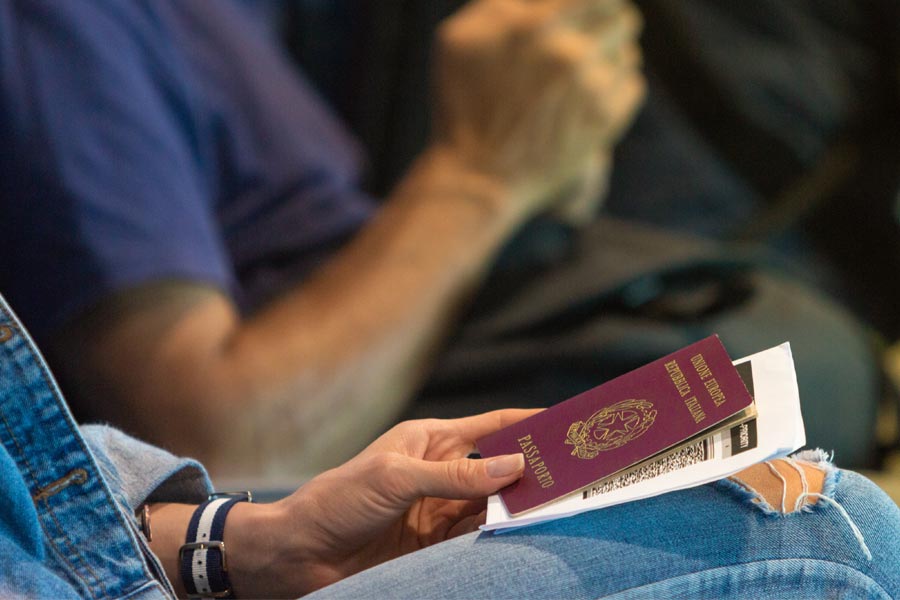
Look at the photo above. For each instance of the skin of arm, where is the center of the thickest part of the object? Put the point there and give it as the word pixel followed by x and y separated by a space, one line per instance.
pixel 412 487
pixel 530 98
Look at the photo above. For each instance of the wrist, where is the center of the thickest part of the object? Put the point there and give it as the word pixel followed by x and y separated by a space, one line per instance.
pixel 253 540
pixel 265 553
pixel 447 172
pixel 258 543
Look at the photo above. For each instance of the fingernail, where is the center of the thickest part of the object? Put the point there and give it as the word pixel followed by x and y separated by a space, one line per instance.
pixel 504 466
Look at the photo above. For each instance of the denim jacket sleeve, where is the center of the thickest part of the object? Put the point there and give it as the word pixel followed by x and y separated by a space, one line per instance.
pixel 139 473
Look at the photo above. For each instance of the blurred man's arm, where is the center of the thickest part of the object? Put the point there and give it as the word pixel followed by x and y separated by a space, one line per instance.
pixel 341 353
pixel 531 97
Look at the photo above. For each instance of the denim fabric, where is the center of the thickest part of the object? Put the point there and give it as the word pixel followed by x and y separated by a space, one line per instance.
pixel 714 541
pixel 67 528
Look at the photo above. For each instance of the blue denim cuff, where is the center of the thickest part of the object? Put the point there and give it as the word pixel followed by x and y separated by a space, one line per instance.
pixel 139 473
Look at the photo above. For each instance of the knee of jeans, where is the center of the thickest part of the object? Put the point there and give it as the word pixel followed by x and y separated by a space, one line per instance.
pixel 788 485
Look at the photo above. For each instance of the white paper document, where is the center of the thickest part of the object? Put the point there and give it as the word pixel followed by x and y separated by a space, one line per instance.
pixel 777 431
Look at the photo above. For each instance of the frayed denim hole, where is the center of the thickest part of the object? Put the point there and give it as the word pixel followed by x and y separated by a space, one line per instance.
pixel 825 499
pixel 816 458
pixel 823 460
pixel 747 495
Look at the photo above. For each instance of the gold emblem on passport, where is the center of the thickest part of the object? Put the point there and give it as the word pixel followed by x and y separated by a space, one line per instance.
pixel 611 427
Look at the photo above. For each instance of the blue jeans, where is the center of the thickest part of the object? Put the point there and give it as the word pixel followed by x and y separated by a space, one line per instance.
pixel 67 528
pixel 712 541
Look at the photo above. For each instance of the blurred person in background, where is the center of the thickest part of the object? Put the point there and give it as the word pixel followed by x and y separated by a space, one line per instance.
pixel 187 235
pixel 206 272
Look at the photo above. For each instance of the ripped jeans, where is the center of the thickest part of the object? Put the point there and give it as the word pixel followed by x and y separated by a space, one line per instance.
pixel 839 538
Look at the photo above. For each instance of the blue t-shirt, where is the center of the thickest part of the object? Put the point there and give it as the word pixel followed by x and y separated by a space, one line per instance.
pixel 160 139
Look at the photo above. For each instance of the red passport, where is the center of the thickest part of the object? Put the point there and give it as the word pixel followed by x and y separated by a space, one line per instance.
pixel 618 424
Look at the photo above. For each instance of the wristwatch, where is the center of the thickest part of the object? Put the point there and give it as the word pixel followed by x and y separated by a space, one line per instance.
pixel 204 566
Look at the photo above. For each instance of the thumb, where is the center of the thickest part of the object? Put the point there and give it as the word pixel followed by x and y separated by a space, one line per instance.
pixel 468 477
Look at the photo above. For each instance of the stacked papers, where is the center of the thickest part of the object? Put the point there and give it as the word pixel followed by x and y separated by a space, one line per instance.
pixel 777 430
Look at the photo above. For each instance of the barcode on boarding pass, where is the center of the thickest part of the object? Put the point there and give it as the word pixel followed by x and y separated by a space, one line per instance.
pixel 722 444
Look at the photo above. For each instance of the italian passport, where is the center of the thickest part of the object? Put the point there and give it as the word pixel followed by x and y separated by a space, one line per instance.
pixel 621 423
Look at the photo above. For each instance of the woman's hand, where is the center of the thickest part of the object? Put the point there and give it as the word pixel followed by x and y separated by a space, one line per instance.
pixel 412 487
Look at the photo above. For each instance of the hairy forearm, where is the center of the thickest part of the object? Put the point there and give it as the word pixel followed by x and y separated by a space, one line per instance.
pixel 366 327
pixel 341 353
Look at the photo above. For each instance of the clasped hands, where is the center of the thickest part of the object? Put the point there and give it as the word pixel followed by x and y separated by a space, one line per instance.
pixel 535 93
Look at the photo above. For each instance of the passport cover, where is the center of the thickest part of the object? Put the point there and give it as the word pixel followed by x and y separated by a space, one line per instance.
pixel 620 423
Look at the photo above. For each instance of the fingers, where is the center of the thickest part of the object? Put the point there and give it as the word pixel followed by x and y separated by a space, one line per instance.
pixel 610 33
pixel 606 64
pixel 611 41
pixel 478 426
pixel 608 24
pixel 622 108
pixel 580 13
pixel 444 439
pixel 467 524
pixel 631 58
pixel 529 89
pixel 621 29
pixel 462 478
